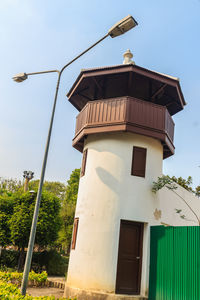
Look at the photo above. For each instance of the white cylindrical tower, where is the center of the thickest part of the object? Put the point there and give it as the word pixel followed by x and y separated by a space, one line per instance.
pixel 124 135
pixel 108 194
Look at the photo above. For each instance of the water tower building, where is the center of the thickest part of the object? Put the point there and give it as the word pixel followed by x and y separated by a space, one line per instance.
pixel 124 130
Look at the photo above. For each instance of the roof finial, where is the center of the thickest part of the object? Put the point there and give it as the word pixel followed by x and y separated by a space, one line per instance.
pixel 127 58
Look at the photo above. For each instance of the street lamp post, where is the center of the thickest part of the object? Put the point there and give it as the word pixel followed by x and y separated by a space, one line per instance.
pixel 118 29
pixel 28 175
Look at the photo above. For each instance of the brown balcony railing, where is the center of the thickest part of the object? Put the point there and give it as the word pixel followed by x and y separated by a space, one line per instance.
pixel 169 125
pixel 125 110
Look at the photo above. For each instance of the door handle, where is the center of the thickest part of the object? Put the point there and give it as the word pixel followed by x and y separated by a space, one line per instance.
pixel 137 257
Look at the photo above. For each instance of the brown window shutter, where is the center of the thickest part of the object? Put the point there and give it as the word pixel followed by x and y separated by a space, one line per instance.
pixel 139 161
pixel 84 162
pixel 75 233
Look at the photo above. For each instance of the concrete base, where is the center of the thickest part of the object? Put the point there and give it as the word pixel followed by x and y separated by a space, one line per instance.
pixel 92 295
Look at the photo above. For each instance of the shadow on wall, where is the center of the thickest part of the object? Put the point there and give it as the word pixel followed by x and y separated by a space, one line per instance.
pixel 108 179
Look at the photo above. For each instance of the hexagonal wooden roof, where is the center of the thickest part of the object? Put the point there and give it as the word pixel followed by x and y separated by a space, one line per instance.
pixel 127 80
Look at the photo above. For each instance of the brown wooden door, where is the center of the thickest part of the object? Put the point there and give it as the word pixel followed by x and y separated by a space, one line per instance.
pixel 129 258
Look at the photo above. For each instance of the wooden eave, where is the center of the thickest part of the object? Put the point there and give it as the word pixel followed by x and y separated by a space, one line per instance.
pixel 120 69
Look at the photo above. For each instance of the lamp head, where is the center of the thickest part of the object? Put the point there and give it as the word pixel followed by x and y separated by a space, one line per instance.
pixel 122 26
pixel 20 77
pixel 32 192
pixel 28 175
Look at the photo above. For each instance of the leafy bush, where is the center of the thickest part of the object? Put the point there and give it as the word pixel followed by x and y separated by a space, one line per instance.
pixel 42 277
pixel 15 277
pixel 57 264
pixel 9 291
pixel 51 261
pixel 9 258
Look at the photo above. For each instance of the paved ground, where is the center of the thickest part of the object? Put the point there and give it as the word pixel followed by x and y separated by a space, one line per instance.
pixel 45 291
pixel 49 291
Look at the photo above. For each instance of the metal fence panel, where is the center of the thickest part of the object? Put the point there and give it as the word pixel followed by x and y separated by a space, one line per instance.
pixel 174 263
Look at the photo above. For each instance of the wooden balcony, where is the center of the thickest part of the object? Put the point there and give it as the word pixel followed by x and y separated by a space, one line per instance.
pixel 125 114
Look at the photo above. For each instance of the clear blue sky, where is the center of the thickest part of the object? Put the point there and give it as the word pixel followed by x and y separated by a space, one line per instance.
pixel 37 35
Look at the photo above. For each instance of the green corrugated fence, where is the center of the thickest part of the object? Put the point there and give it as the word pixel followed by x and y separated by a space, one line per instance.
pixel 174 263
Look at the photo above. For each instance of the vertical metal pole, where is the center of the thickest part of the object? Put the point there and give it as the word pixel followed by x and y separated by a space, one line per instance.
pixel 26 185
pixel 38 200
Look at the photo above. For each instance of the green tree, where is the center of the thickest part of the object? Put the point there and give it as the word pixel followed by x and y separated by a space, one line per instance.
pixel 68 210
pixel 197 191
pixel 49 221
pixel 9 186
pixel 185 183
pixel 55 187
pixel 48 226
pixel 6 211
pixel 72 187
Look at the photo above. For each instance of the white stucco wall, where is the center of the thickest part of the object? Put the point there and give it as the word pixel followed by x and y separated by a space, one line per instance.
pixel 169 201
pixel 107 194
